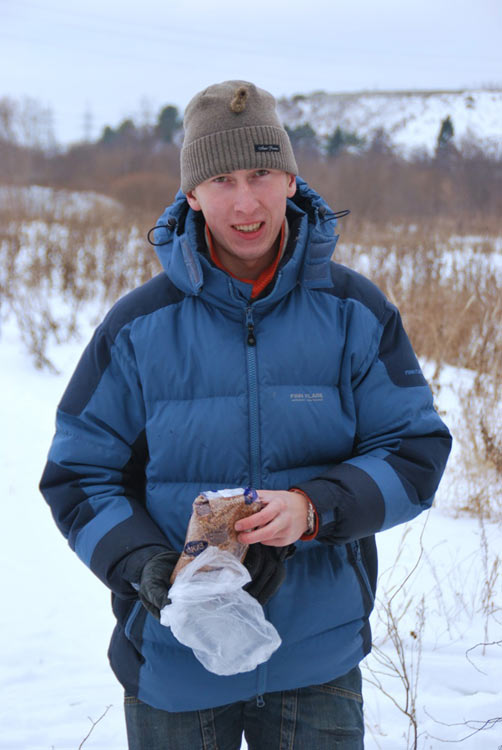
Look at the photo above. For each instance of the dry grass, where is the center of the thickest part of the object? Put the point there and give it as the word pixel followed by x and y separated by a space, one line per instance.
pixel 446 286
pixel 55 260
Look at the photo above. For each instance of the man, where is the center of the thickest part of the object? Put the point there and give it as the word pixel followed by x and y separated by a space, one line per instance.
pixel 252 360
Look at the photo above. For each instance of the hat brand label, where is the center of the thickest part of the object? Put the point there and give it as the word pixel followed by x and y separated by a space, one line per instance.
pixel 260 147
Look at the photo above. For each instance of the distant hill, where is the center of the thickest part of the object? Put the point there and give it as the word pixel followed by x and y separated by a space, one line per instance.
pixel 411 119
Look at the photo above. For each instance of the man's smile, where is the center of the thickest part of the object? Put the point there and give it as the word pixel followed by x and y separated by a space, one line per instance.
pixel 248 227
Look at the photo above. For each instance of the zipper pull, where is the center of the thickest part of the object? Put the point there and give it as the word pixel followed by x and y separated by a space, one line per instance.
pixel 250 325
pixel 259 701
pixel 251 336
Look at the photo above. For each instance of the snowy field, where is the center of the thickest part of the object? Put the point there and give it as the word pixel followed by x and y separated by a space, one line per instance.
pixel 441 572
pixel 411 119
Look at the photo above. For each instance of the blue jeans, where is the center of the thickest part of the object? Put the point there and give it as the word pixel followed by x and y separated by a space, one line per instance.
pixel 320 717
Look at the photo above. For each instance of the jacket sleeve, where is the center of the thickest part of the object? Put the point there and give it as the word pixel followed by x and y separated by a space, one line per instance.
pixel 94 479
pixel 401 445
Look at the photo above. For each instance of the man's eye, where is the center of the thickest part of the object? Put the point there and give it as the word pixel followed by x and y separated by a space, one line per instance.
pixel 221 178
pixel 261 172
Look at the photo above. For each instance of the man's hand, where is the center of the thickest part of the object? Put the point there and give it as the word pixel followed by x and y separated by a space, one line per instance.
pixel 267 570
pixel 282 521
pixel 154 584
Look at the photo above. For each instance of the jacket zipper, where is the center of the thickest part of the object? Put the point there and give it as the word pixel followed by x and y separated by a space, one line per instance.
pixel 254 440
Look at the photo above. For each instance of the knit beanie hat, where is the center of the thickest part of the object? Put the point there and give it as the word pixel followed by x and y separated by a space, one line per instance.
pixel 232 125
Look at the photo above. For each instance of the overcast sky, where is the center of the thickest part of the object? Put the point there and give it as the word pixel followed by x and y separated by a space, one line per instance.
pixel 96 62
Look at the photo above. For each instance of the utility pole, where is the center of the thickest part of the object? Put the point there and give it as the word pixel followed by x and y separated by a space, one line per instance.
pixel 87 124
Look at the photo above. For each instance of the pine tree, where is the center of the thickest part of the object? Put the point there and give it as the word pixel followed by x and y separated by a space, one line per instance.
pixel 446 133
pixel 341 139
pixel 168 123
pixel 108 136
pixel 303 137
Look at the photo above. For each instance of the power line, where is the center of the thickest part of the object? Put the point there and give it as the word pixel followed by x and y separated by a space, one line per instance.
pixel 154 33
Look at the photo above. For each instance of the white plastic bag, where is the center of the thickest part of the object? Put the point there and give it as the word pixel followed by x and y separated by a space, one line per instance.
pixel 211 613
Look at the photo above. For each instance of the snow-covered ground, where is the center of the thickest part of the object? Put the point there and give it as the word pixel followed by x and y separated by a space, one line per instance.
pixel 56 618
pixel 37 200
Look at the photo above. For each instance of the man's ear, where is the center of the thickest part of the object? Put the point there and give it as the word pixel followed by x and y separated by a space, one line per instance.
pixel 291 185
pixel 192 200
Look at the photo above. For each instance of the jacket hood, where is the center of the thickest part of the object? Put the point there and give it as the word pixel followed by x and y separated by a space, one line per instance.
pixel 312 229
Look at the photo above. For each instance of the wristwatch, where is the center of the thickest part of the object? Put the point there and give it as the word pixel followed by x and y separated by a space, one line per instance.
pixel 310 519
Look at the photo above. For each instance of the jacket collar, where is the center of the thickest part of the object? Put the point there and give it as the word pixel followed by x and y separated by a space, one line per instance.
pixel 178 239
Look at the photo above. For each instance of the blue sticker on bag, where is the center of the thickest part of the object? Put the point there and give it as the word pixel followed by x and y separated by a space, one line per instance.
pixel 195 548
pixel 250 495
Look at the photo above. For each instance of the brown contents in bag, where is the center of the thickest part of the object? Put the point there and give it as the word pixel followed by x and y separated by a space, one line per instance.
pixel 212 523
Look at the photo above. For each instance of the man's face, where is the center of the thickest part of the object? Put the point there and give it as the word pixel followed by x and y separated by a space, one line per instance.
pixel 244 211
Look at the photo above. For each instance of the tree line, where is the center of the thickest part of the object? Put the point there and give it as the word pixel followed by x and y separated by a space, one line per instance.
pixel 139 166
pixel 169 125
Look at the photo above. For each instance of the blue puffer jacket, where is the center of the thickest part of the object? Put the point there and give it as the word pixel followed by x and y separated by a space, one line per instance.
pixel 170 399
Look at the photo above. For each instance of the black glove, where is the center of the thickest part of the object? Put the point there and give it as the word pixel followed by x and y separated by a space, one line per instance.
pixel 266 567
pixel 154 583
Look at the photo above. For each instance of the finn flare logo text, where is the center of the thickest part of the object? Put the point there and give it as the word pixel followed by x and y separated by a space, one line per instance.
pixel 308 396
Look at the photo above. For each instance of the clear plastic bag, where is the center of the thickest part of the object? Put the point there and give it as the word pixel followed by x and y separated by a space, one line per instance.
pixel 212 614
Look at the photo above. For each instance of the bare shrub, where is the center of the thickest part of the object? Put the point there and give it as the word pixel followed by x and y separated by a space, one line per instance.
pixel 380 187
pixel 143 175
pixel 94 724
pixel 393 666
pixel 145 192
pixel 429 601
pixel 26 122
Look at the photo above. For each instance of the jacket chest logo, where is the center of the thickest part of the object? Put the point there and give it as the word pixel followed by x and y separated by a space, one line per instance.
pixel 300 397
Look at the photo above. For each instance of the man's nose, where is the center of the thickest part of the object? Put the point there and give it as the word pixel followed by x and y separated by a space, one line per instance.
pixel 244 199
